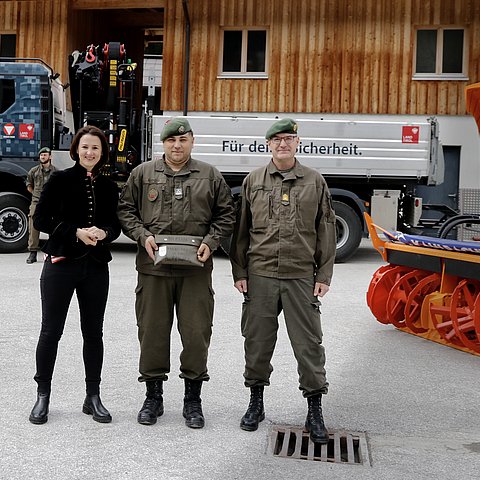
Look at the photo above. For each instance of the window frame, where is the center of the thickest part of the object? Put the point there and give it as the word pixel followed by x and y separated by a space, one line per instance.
pixel 438 74
pixel 243 60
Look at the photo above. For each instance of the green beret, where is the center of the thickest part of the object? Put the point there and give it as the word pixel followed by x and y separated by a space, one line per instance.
pixel 286 125
pixel 44 150
pixel 175 126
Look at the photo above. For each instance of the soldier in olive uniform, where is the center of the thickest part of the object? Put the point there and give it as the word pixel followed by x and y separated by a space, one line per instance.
pixel 283 251
pixel 36 179
pixel 175 195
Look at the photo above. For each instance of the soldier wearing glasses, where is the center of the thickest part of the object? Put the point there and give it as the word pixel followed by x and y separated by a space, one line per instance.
pixel 283 251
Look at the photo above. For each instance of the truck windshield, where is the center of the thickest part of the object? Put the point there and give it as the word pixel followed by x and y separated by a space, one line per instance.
pixel 7 94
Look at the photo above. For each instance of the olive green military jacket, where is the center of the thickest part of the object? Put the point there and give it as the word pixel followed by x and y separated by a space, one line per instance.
pixel 36 178
pixel 285 226
pixel 194 201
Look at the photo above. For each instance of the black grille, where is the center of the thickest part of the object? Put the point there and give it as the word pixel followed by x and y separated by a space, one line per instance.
pixel 343 447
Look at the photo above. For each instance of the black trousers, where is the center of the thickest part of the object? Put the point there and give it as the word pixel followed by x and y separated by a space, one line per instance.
pixel 90 280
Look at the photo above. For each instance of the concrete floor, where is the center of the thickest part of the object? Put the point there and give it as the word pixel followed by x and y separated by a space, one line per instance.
pixel 417 401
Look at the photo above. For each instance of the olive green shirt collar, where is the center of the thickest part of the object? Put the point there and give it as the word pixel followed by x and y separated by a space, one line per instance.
pixel 190 166
pixel 295 172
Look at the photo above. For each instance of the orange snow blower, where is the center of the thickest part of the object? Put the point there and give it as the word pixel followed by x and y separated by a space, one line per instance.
pixel 430 287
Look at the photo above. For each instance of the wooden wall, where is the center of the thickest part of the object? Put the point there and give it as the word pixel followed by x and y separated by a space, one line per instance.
pixel 8 17
pixel 41 29
pixel 330 56
pixel 337 56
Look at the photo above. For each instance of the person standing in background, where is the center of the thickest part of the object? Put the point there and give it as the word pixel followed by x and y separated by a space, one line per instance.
pixel 36 179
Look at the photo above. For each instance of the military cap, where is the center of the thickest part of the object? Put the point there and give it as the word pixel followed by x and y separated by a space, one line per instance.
pixel 286 125
pixel 175 126
pixel 44 150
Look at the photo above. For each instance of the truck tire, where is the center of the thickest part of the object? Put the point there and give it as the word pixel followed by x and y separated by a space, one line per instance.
pixel 13 223
pixel 349 231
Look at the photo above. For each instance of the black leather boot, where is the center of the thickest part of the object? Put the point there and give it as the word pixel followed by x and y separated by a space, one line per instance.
pixel 192 404
pixel 314 422
pixel 255 412
pixel 153 404
pixel 93 406
pixel 39 414
pixel 32 258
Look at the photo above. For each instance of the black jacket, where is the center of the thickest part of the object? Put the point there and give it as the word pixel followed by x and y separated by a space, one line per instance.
pixel 69 201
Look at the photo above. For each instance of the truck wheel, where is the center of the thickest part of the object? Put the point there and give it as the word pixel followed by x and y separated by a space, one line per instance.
pixel 349 231
pixel 13 223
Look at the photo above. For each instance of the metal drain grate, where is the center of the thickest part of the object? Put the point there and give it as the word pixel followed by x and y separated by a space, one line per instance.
pixel 343 447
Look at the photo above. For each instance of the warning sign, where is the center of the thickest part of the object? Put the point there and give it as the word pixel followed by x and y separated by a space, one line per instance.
pixel 410 134
pixel 26 130
pixel 9 129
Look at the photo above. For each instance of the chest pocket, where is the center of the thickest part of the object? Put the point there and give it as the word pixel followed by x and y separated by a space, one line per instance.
pixel 261 206
pixel 197 200
pixel 156 202
pixel 306 206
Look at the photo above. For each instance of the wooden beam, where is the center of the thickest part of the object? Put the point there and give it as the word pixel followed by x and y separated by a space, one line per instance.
pixel 115 4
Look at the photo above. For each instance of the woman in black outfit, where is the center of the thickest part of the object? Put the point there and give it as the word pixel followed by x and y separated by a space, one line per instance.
pixel 77 208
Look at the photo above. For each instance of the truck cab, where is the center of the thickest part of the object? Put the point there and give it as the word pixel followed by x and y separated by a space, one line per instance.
pixel 32 115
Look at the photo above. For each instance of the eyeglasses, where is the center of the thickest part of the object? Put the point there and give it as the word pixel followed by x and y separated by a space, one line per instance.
pixel 288 139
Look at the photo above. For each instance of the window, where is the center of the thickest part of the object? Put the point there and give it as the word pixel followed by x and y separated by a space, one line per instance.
pixel 8 44
pixel 244 53
pixel 7 94
pixel 440 54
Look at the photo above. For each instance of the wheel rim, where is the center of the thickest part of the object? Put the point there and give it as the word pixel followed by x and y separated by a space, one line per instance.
pixel 13 224
pixel 343 232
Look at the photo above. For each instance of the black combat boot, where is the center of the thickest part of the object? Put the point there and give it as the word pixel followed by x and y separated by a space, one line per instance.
pixel 32 258
pixel 314 422
pixel 192 404
pixel 93 406
pixel 153 405
pixel 255 412
pixel 39 413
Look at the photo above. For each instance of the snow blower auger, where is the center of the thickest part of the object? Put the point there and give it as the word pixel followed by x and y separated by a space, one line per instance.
pixel 430 287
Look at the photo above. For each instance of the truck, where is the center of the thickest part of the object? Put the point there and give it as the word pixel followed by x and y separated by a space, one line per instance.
pixel 370 166
pixel 32 114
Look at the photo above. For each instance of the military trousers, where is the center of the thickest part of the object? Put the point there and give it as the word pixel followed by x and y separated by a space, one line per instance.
pixel 191 298
pixel 265 300
pixel 33 233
